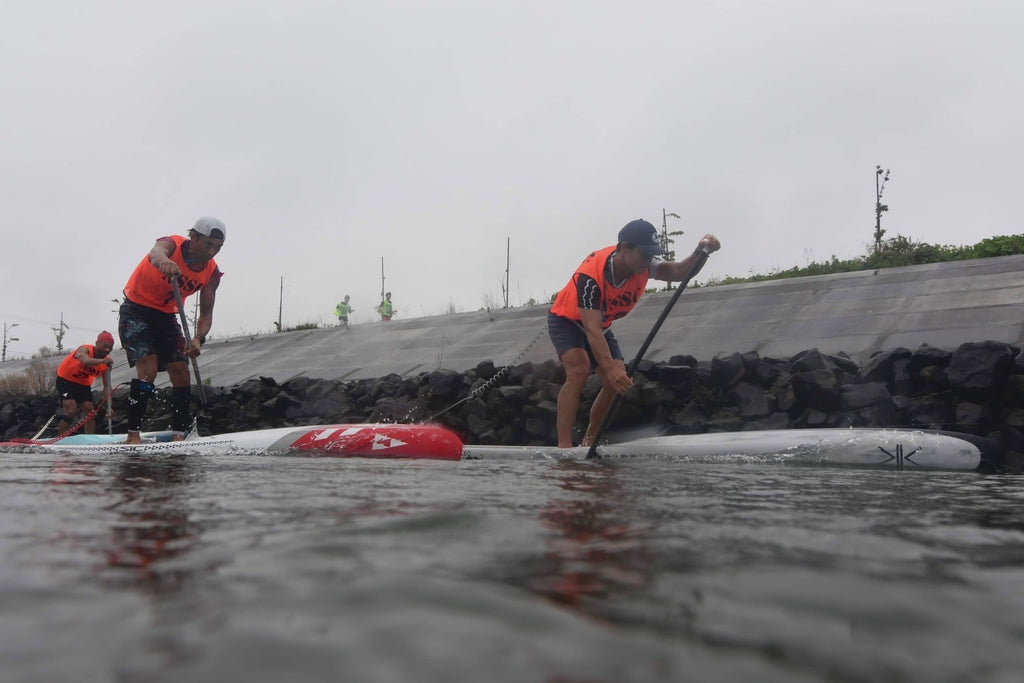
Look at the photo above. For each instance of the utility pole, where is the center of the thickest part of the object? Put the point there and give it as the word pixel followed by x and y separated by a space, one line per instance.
pixel 880 208
pixel 508 260
pixel 8 339
pixel 280 307
pixel 58 332
pixel 666 237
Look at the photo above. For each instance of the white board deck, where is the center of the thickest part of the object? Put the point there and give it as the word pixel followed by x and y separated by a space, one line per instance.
pixel 896 448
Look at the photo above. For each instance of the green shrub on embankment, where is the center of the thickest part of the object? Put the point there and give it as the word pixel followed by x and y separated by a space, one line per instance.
pixel 894 253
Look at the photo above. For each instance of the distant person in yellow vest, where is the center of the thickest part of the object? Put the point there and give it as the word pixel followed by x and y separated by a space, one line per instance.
pixel 604 288
pixel 75 376
pixel 386 308
pixel 342 310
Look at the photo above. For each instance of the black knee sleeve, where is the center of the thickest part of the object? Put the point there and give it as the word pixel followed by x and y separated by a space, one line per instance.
pixel 138 399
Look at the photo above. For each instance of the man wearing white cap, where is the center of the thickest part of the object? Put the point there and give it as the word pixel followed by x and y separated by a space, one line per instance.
pixel 148 326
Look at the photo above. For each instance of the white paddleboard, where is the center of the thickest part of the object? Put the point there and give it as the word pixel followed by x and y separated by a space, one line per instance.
pixel 897 448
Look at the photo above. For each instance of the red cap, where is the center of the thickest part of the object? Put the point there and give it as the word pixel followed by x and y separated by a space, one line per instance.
pixel 105 336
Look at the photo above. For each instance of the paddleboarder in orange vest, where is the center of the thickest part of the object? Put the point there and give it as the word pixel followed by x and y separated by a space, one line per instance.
pixel 148 326
pixel 75 376
pixel 604 288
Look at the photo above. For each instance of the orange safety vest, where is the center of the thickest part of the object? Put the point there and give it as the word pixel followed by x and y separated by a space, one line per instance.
pixel 149 287
pixel 74 370
pixel 615 301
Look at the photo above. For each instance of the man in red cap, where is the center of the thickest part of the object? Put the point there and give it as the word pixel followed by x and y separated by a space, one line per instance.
pixel 604 288
pixel 148 323
pixel 75 376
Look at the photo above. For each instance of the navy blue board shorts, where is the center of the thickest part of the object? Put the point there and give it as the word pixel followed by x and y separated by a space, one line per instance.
pixel 568 334
pixel 145 331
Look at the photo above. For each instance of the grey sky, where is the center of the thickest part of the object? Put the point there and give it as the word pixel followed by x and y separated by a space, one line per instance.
pixel 327 135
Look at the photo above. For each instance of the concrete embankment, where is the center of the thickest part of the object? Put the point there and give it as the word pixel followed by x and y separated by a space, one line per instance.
pixel 942 305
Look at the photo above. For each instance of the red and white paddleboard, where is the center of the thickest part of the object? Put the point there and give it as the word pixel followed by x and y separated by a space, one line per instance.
pixel 343 441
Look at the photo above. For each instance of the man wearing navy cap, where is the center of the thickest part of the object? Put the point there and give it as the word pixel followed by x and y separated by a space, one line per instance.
pixel 604 288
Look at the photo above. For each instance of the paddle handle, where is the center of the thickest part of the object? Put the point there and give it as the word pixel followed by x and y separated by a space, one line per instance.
pixel 702 257
pixel 188 339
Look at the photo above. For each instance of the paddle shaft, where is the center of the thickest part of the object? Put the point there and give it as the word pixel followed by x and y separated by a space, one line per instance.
pixel 110 387
pixel 702 257
pixel 188 339
pixel 48 423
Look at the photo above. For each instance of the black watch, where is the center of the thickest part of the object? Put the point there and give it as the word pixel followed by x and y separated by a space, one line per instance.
pixel 201 338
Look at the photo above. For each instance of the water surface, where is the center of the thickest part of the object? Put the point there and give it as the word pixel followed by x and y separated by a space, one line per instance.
pixel 192 568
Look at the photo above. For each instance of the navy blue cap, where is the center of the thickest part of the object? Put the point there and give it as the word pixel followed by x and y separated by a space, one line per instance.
pixel 642 235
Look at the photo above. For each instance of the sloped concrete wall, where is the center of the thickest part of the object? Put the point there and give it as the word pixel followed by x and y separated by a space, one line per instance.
pixel 943 305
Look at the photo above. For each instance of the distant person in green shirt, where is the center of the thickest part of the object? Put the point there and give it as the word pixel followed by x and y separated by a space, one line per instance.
pixel 342 310
pixel 386 308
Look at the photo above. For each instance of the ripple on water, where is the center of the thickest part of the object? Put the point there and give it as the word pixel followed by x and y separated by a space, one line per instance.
pixel 278 568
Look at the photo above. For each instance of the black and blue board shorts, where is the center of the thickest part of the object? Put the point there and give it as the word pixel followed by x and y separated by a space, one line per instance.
pixel 145 331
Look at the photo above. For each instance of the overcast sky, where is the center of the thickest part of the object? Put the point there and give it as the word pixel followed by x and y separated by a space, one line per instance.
pixel 330 135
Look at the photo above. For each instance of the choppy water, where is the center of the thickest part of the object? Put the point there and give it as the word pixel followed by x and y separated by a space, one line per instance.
pixel 188 568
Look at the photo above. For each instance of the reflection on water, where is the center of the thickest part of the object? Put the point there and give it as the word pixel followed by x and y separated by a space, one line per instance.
pixel 143 543
pixel 149 525
pixel 596 548
pixel 153 525
pixel 173 568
